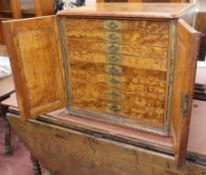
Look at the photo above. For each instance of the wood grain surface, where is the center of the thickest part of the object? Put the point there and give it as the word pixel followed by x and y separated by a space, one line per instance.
pixel 126 86
pixel 144 115
pixel 104 59
pixel 37 66
pixel 145 26
pixel 126 60
pixel 6 87
pixel 127 37
pixel 116 81
pixel 130 94
pixel 68 151
pixel 118 70
pixel 126 48
pixel 131 10
pixel 186 50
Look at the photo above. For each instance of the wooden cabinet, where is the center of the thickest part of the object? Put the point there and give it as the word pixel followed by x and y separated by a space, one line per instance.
pixel 132 66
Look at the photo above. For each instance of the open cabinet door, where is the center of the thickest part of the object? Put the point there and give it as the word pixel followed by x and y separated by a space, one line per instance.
pixel 186 51
pixel 37 64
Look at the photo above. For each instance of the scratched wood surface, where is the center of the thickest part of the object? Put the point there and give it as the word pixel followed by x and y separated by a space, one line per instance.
pixel 66 151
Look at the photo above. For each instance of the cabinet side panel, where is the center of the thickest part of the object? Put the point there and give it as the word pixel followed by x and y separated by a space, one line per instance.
pixel 36 60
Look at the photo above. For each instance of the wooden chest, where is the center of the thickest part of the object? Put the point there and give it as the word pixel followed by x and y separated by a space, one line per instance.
pixel 130 65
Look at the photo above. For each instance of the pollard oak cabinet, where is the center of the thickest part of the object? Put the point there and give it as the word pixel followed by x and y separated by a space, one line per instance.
pixel 126 65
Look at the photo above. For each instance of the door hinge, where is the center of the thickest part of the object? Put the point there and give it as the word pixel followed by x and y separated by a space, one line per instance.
pixel 185 105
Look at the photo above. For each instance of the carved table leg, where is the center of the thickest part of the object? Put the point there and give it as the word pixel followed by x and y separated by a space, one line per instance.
pixel 36 166
pixel 7 132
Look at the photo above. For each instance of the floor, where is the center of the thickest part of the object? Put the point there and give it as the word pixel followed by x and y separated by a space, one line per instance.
pixel 19 163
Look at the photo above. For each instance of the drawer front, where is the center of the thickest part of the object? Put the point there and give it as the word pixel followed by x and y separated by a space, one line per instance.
pixel 118 70
pixel 125 37
pixel 130 86
pixel 127 49
pixel 118 81
pixel 118 25
pixel 130 95
pixel 150 115
pixel 130 61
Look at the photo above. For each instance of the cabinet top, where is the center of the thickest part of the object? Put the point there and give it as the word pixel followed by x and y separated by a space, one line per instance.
pixel 131 10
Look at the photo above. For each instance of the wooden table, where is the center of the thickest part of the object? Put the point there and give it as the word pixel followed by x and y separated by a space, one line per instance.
pixel 6 89
pixel 68 148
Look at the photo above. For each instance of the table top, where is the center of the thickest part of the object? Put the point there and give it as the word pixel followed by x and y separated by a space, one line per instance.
pixel 6 87
pixel 197 133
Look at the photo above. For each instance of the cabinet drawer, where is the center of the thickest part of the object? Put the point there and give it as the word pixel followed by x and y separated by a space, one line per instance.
pixel 156 27
pixel 125 37
pixel 117 81
pixel 119 111
pixel 118 70
pixel 130 61
pixel 131 95
pixel 127 49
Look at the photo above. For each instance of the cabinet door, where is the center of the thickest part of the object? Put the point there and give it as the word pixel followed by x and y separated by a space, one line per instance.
pixel 186 50
pixel 37 64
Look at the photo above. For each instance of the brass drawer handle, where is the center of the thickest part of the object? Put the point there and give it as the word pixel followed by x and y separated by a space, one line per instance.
pixel 113 81
pixel 114 95
pixel 113 59
pixel 113 36
pixel 112 25
pixel 112 69
pixel 113 107
pixel 113 48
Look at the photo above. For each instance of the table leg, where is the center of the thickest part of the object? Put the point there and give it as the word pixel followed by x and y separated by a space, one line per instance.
pixel 7 132
pixel 36 166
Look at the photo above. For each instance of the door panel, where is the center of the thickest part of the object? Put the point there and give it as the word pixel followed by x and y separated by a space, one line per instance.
pixel 187 44
pixel 37 64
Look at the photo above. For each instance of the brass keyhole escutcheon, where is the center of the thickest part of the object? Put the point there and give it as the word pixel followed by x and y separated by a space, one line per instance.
pixel 114 107
pixel 113 59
